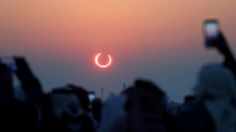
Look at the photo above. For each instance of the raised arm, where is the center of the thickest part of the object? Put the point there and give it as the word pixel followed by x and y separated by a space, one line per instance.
pixel 224 49
pixel 29 82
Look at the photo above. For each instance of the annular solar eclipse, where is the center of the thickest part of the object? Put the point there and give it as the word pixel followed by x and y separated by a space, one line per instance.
pixel 106 65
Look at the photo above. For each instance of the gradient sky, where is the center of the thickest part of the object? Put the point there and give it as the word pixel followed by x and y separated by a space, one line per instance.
pixel 161 40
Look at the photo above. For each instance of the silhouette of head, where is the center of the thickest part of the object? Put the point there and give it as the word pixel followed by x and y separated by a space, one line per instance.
pixel 215 81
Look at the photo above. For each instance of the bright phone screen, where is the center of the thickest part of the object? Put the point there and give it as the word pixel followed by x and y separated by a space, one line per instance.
pixel 212 30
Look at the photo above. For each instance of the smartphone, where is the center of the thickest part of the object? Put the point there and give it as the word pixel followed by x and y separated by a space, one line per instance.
pixel 212 30
pixel 91 96
pixel 9 62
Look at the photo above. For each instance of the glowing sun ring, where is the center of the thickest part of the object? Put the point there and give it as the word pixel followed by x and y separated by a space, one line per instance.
pixel 101 65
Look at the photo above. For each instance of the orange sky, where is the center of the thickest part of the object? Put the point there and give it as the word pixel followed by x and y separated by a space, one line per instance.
pixel 131 30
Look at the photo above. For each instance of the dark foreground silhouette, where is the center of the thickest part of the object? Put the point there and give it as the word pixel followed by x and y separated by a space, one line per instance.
pixel 142 107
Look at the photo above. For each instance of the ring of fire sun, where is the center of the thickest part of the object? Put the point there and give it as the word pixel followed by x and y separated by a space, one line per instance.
pixel 103 66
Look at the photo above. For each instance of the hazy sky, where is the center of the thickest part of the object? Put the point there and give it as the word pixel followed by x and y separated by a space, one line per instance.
pixel 161 40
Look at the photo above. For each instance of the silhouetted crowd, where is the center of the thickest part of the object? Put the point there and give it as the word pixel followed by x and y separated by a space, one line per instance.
pixel 142 107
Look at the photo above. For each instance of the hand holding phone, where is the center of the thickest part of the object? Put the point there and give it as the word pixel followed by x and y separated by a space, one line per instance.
pixel 91 96
pixel 215 38
pixel 212 32
pixel 9 62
